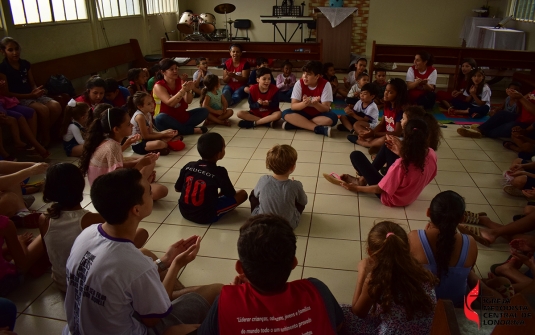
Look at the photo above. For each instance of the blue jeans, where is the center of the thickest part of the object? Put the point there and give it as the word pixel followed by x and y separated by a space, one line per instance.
pixel 164 121
pixel 329 114
pixel 233 97
pixel 286 96
pixel 480 111
pixel 500 125
pixel 8 314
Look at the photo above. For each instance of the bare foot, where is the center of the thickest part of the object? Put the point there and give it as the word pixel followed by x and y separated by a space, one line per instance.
pixel 362 181
pixel 507 267
pixel 363 143
pixel 487 222
pixel 488 234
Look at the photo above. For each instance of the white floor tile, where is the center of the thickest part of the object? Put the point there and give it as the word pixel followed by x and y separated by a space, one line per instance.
pixel 332 254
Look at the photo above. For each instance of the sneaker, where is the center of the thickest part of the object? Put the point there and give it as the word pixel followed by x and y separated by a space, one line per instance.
pixel 26 219
pixel 341 127
pixel 469 133
pixel 352 138
pixel 323 130
pixel 268 125
pixel 246 124
pixel 288 126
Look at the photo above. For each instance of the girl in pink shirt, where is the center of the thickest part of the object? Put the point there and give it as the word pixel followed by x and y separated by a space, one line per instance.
pixel 409 174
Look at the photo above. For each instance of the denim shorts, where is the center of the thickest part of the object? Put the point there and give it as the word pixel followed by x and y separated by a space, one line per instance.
pixel 328 114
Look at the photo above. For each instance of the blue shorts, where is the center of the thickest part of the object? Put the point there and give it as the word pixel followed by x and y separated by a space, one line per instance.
pixel 140 148
pixel 328 114
pixel 68 146
pixel 224 205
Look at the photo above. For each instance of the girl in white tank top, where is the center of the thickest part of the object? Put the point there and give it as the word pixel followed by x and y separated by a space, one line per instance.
pixel 65 218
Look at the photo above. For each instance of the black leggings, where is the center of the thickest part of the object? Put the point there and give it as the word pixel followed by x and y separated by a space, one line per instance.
pixel 384 156
pixel 365 168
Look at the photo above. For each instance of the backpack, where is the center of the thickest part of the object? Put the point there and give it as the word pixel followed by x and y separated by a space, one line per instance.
pixel 58 84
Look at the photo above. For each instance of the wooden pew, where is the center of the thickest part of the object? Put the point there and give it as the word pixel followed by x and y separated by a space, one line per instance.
pixel 91 63
pixel 217 50
pixel 448 59
pixel 445 321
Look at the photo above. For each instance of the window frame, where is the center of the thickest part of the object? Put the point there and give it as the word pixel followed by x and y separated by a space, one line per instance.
pixel 98 10
pixel 154 14
pixel 48 23
pixel 513 9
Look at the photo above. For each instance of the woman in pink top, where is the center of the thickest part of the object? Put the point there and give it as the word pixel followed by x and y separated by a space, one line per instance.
pixel 103 152
pixel 409 174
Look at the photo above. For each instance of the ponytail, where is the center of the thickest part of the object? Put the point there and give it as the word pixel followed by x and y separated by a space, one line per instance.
pixel 203 95
pixel 396 277
pixel 415 144
pixel 73 110
pixel 136 100
pixel 99 130
pixel 446 212
pixel 435 133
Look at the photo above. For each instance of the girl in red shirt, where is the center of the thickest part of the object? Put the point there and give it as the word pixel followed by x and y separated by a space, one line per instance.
pixel 235 75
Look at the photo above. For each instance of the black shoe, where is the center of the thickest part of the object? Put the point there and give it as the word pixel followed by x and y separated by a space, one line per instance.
pixel 288 126
pixel 268 125
pixel 323 130
pixel 246 124
pixel 203 129
pixel 352 138
pixel 341 127
pixel 383 170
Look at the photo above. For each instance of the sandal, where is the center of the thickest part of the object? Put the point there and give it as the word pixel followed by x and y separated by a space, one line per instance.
pixel 494 266
pixel 468 133
pixel 333 178
pixel 472 218
pixel 513 191
pixel 475 232
pixel 350 179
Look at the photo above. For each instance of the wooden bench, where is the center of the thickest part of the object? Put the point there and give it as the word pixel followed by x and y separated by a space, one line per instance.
pixel 448 59
pixel 91 63
pixel 218 50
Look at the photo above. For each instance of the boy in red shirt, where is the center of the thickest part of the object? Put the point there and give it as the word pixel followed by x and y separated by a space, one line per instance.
pixel 263 102
pixel 311 103
pixel 260 297
pixel 115 94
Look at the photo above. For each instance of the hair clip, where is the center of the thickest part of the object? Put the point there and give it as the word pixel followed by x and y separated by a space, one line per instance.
pixel 71 103
pixel 390 234
pixel 109 123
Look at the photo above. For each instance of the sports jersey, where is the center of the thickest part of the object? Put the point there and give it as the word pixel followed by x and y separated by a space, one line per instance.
pixel 392 116
pixel 199 183
pixel 271 96
pixel 321 90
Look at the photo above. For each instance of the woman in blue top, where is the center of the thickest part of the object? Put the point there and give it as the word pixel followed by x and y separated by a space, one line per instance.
pixel 446 253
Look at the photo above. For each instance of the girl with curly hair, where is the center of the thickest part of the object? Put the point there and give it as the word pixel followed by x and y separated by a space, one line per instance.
pixel 394 293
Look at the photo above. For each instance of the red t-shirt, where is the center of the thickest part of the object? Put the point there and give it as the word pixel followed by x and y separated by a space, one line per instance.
pixel 298 310
pixel 392 116
pixel 271 95
pixel 178 112
pixel 525 116
pixel 401 188
pixel 229 66
pixel 82 98
pixel 316 92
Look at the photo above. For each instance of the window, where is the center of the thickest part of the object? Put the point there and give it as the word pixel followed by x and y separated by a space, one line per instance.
pixel 524 10
pixel 161 6
pixel 114 8
pixel 38 11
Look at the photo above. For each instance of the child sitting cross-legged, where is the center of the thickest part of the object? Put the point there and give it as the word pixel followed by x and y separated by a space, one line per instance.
pixel 141 106
pixel 73 129
pixel 65 218
pixel 364 115
pixel 266 251
pixel 406 178
pixel 477 97
pixel 199 183
pixel 213 99
pixel 394 293
pixel 354 93
pixel 278 194
pixel 263 102
pixel 103 152
pixel 285 82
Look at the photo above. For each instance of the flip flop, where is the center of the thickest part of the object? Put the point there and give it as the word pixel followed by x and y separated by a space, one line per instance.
pixel 494 266
pixel 333 178
pixel 350 179
pixel 472 218
pixel 475 232
pixel 513 191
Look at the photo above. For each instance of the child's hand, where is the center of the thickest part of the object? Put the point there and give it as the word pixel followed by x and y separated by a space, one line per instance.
pixel 350 187
pixel 393 143
pixel 307 100
pixel 259 101
pixel 188 251
pixel 148 159
pixel 367 133
pixel 265 103
pixel 473 90
pixel 133 139
pixel 38 168
pixel 530 194
pixel 346 81
pixel 37 92
pixel 348 110
pixel 170 133
pixel 518 173
pixel 315 100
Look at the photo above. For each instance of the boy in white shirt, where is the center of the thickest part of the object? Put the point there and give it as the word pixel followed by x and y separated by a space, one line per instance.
pixel 364 115
pixel 112 287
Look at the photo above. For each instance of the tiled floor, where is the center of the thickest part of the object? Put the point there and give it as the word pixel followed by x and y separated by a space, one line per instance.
pixel 332 229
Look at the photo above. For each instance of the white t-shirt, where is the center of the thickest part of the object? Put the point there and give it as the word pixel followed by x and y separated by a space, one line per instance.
pixel 108 279
pixel 485 95
pixel 431 80
pixel 73 132
pixel 326 94
pixel 197 74
pixel 371 110
pixel 135 125
pixel 355 89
